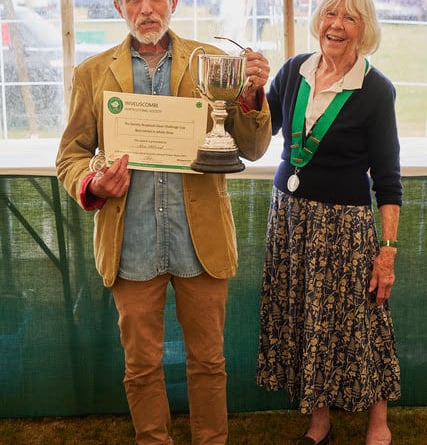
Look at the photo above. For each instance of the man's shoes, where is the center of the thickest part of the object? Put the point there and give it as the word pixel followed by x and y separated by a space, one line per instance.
pixel 304 440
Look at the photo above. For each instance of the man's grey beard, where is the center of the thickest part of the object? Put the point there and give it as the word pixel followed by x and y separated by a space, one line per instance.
pixel 152 38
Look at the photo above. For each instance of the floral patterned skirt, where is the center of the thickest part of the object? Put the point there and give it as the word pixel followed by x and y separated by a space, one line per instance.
pixel 322 336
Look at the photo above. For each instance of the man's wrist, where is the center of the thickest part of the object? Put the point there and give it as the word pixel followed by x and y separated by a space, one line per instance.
pixel 88 199
pixel 252 101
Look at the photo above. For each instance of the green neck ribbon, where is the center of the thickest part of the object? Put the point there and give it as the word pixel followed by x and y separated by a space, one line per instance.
pixel 304 150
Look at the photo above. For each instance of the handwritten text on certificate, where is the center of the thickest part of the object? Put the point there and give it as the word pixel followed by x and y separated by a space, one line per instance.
pixel 157 132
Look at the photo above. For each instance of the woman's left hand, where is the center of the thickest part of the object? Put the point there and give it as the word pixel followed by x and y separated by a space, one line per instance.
pixel 383 277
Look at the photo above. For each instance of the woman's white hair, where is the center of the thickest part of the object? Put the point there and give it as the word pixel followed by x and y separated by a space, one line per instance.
pixel 371 32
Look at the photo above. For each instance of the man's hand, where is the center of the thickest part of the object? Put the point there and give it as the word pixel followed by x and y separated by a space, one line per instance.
pixel 257 73
pixel 113 181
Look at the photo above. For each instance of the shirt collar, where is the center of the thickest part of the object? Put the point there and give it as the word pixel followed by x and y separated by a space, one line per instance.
pixel 135 53
pixel 353 80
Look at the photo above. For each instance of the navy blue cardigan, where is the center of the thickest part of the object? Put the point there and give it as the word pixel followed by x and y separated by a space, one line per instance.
pixel 363 138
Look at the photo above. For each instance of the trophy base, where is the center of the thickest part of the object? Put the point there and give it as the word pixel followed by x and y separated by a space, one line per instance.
pixel 217 161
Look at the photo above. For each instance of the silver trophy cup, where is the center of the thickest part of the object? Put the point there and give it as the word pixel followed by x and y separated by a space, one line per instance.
pixel 220 80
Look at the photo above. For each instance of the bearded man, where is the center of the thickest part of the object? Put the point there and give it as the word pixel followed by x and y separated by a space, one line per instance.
pixel 153 228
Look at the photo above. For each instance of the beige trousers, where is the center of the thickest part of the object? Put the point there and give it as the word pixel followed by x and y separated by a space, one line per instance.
pixel 200 307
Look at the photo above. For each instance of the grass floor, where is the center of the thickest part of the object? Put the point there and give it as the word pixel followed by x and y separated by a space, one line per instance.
pixel 409 427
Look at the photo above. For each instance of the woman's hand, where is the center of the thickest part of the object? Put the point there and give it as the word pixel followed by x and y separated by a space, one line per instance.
pixel 383 271
pixel 383 277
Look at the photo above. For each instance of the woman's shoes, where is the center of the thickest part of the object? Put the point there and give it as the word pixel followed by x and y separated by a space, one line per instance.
pixel 304 440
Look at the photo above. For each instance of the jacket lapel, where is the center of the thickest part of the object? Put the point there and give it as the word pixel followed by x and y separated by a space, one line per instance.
pixel 180 56
pixel 121 66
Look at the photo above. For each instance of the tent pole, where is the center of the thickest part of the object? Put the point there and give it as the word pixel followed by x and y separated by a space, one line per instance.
pixel 288 28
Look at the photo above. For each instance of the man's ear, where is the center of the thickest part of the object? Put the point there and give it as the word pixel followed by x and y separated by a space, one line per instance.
pixel 173 5
pixel 118 7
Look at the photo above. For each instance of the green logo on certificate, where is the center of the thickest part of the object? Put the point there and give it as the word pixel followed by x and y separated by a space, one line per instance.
pixel 199 105
pixel 115 105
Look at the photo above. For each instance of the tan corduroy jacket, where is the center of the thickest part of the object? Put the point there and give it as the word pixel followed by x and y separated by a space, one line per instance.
pixel 206 199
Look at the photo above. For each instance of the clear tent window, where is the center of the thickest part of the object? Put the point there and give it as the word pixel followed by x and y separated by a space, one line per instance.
pixel 32 69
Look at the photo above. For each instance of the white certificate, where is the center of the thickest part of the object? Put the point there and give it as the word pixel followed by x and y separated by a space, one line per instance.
pixel 157 132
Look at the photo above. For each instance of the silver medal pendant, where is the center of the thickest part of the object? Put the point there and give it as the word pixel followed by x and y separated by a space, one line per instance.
pixel 293 182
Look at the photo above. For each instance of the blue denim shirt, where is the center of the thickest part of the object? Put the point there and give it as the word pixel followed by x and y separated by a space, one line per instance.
pixel 156 235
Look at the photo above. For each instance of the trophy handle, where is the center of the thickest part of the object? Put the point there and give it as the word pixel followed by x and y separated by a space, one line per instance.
pixel 190 66
pixel 97 162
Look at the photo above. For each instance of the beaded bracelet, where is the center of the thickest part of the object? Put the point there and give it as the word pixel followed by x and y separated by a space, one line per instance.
pixel 388 243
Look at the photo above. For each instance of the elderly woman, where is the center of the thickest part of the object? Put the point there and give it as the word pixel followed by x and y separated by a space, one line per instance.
pixel 326 330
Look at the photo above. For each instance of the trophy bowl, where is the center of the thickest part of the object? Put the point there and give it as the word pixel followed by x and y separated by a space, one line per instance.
pixel 220 80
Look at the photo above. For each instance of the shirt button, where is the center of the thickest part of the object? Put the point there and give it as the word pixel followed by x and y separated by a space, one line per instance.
pixel 160 209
